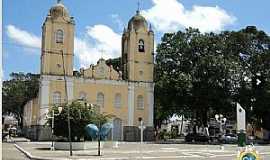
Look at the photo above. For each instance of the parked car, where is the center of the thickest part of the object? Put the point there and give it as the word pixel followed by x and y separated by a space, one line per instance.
pixel 195 137
pixel 229 138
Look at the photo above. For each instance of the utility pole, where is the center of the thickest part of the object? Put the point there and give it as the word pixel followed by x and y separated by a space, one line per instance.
pixel 99 128
pixel 66 99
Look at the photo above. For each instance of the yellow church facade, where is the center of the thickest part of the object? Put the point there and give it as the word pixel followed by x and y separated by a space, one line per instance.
pixel 128 94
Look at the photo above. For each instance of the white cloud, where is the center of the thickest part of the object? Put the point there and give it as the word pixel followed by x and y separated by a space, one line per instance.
pixel 106 39
pixel 98 38
pixel 171 15
pixel 23 37
pixel 2 74
pixel 104 43
pixel 117 19
pixel 86 53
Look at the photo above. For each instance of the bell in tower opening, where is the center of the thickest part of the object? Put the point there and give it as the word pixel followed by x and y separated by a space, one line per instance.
pixel 137 50
pixel 141 45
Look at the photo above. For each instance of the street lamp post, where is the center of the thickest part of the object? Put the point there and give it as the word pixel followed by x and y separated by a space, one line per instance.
pixel 99 125
pixel 253 100
pixel 52 117
pixel 142 127
pixel 222 121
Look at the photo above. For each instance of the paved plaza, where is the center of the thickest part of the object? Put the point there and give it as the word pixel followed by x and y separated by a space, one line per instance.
pixel 10 152
pixel 132 151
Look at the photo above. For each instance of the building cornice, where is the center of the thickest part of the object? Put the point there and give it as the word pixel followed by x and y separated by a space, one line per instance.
pixel 95 81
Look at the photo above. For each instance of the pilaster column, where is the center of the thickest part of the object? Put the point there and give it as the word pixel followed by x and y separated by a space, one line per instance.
pixel 70 89
pixel 43 99
pixel 150 94
pixel 130 104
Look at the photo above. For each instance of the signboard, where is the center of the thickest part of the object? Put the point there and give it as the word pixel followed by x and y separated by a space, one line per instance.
pixel 241 118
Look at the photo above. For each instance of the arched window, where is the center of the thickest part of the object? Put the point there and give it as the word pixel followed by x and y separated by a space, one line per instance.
pixel 59 36
pixel 141 45
pixel 117 100
pixel 140 103
pixel 82 96
pixel 141 73
pixel 100 99
pixel 56 98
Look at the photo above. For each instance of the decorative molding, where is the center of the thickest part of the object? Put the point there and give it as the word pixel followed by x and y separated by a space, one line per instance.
pixel 70 85
pixel 96 81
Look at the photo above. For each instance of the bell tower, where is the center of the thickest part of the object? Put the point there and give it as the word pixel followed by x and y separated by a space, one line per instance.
pixel 138 50
pixel 57 42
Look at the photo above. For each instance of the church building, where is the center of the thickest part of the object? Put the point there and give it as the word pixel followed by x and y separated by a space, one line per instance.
pixel 128 94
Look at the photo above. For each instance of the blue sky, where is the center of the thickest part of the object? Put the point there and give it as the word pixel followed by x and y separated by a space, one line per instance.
pixel 99 24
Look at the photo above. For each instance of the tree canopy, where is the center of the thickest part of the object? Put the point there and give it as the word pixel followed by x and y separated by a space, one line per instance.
pixel 81 115
pixel 202 74
pixel 17 92
pixel 115 62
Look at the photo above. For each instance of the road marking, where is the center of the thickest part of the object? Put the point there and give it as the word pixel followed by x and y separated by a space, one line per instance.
pixel 207 154
pixel 169 148
pixel 223 155
pixel 265 153
pixel 188 154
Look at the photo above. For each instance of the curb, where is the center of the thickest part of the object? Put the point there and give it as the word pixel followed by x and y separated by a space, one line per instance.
pixel 30 156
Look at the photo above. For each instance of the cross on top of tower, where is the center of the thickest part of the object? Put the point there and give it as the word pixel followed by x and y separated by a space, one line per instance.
pixel 138 9
pixel 102 52
pixel 58 1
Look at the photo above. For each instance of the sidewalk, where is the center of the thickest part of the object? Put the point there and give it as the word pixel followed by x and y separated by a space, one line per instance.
pixel 41 151
pixel 126 150
pixel 15 139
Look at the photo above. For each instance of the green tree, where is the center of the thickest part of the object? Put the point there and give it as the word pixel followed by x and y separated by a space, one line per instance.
pixel 17 92
pixel 115 62
pixel 256 60
pixel 204 74
pixel 81 115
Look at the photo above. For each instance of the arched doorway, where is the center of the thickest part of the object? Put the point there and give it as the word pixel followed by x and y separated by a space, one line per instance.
pixel 117 129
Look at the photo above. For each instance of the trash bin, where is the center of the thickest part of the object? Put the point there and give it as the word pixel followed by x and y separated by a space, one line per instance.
pixel 241 139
